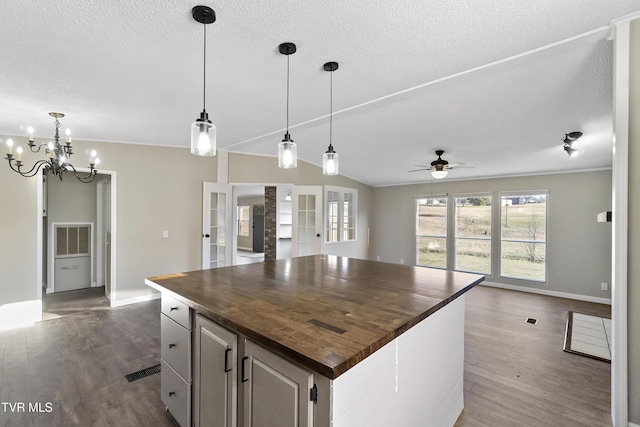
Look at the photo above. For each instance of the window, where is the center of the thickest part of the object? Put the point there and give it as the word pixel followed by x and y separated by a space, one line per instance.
pixel 431 231
pixel 473 233
pixel 523 234
pixel 332 216
pixel 348 217
pixel 340 225
pixel 243 220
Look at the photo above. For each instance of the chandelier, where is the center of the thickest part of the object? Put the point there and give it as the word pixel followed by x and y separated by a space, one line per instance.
pixel 59 155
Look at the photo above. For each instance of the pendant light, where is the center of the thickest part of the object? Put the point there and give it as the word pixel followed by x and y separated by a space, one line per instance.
pixel 287 150
pixel 330 158
pixel 203 132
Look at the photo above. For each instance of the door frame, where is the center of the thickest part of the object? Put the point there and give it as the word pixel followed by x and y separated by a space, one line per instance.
pixel 39 236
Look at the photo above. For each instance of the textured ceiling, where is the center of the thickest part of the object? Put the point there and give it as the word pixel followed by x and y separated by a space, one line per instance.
pixel 495 84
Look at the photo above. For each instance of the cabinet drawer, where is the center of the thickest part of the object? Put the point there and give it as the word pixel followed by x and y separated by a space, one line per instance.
pixel 175 345
pixel 176 394
pixel 176 310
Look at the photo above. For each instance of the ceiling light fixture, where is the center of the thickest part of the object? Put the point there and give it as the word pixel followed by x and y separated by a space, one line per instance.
pixel 287 150
pixel 203 132
pixel 569 143
pixel 58 154
pixel 330 157
pixel 438 166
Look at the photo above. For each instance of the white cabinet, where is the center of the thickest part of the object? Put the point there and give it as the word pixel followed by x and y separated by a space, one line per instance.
pixel 175 353
pixel 239 383
pixel 215 380
pixel 276 392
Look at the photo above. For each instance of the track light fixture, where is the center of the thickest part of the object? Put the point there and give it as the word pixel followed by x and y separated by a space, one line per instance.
pixel 569 142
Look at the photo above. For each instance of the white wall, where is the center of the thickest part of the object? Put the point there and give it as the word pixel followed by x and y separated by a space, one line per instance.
pixel 19 259
pixel 633 292
pixel 578 248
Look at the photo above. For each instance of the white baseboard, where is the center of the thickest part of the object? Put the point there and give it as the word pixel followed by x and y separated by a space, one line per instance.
pixel 136 300
pixel 633 424
pixel 549 293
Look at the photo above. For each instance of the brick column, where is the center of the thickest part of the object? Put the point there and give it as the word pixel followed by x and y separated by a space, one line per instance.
pixel 270 202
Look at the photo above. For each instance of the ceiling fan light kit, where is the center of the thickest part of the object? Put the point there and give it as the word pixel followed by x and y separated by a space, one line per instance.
pixel 440 167
pixel 203 132
pixel 569 142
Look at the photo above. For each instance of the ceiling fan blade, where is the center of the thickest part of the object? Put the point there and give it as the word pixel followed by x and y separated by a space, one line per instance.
pixel 460 166
pixel 422 166
pixel 418 170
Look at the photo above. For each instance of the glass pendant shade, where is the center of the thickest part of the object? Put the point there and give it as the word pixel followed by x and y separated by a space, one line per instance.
pixel 203 137
pixel 287 153
pixel 439 174
pixel 330 162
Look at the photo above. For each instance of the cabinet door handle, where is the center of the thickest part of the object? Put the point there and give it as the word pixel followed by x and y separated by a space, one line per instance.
pixel 173 308
pixel 226 360
pixel 171 393
pixel 172 345
pixel 242 378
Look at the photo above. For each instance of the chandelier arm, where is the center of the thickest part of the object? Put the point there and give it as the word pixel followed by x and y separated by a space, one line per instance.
pixel 85 179
pixel 31 145
pixel 40 164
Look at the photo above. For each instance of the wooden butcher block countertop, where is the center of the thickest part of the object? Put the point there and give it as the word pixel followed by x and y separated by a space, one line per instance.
pixel 326 313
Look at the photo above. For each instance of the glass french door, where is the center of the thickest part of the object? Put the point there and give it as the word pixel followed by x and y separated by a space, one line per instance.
pixel 216 225
pixel 307 220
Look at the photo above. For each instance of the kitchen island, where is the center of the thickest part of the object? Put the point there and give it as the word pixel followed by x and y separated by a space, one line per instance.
pixel 315 341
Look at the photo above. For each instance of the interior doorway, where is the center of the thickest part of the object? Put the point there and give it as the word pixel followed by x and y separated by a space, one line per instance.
pixel 78 224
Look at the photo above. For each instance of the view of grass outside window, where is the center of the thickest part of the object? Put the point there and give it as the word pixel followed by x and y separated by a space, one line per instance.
pixel 332 216
pixel 431 231
pixel 523 233
pixel 348 217
pixel 473 233
pixel 243 220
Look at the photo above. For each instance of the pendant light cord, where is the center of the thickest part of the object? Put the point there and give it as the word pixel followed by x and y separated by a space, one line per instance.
pixel 204 79
pixel 331 109
pixel 288 93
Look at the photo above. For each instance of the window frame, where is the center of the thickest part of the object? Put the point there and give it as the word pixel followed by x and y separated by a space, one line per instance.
pixel 240 220
pixel 455 237
pixel 341 226
pixel 525 194
pixel 417 226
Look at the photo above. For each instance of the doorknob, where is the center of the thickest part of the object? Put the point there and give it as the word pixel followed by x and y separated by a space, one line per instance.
pixel 318 235
pixel 205 235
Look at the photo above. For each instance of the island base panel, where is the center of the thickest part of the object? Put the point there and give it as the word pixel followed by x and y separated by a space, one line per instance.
pixel 415 380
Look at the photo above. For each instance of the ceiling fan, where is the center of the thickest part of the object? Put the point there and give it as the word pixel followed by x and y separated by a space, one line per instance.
pixel 439 168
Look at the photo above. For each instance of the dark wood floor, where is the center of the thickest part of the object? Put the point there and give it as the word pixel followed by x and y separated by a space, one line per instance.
pixel 60 304
pixel 516 374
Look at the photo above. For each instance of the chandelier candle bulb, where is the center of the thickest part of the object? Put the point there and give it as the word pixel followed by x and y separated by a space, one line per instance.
pixel 30 131
pixel 9 146
pixel 50 148
pixel 19 154
pixel 68 132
